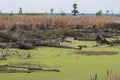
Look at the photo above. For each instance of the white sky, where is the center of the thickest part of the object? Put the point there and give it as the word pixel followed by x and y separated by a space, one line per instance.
pixel 85 6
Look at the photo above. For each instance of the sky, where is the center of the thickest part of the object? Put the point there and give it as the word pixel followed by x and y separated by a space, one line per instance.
pixel 44 6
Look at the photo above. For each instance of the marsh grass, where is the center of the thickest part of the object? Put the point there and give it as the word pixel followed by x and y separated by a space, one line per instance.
pixel 7 22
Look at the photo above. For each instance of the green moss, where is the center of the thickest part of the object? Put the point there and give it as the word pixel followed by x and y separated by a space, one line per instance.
pixel 72 67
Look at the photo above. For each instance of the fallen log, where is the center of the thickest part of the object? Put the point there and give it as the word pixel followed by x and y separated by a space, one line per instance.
pixel 7 37
pixel 52 70
pixel 102 40
pixel 22 69
pixel 23 45
pixel 58 46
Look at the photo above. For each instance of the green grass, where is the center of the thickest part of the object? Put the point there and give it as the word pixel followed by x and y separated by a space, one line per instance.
pixel 112 39
pixel 71 66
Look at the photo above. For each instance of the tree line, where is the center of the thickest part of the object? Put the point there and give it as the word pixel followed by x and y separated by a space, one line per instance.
pixel 74 12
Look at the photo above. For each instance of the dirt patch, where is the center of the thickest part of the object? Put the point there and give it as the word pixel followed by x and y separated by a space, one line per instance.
pixel 113 78
pixel 96 53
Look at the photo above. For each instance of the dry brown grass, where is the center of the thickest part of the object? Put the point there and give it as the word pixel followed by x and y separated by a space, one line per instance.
pixel 7 22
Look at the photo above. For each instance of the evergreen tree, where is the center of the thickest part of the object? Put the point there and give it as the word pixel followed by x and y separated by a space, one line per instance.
pixel 99 13
pixel 75 11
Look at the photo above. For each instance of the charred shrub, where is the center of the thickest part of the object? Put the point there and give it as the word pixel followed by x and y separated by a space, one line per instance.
pixel 113 26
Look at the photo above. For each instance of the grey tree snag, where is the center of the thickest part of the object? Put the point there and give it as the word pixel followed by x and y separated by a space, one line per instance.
pixel 20 10
pixel 51 11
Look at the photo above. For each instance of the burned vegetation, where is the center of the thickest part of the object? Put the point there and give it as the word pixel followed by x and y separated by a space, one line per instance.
pixel 28 32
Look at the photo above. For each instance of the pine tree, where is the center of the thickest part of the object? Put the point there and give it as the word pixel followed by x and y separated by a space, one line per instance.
pixel 75 11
